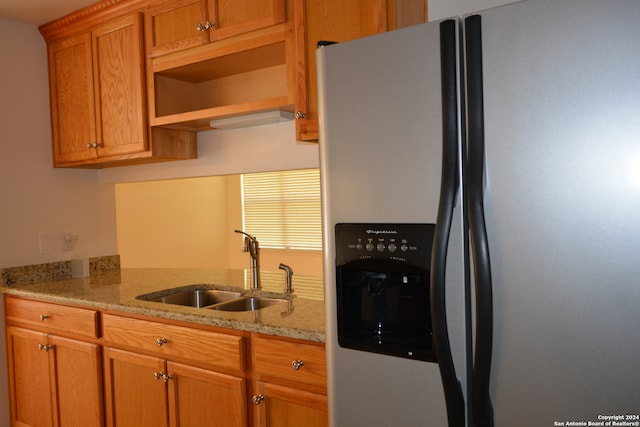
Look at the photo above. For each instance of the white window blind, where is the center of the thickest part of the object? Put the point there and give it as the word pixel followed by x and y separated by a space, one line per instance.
pixel 282 209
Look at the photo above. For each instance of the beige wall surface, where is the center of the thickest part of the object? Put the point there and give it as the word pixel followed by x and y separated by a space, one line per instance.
pixel 190 223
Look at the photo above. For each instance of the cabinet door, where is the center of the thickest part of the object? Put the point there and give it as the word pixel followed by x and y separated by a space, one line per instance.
pixel 338 21
pixel 135 394
pixel 29 378
pixel 77 381
pixel 175 25
pixel 73 120
pixel 199 397
pixel 233 17
pixel 119 82
pixel 280 406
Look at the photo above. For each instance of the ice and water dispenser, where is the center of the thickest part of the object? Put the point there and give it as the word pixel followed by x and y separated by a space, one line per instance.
pixel 382 285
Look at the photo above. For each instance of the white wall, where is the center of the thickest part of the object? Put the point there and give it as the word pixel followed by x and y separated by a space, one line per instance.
pixel 36 198
pixel 253 149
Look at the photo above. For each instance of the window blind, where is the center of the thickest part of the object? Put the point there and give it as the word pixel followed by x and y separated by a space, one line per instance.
pixel 282 209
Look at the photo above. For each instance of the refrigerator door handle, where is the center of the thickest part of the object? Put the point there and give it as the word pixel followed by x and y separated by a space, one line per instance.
pixel 481 398
pixel 449 187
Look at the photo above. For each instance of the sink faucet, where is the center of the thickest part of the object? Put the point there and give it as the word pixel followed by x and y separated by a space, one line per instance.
pixel 251 246
pixel 289 272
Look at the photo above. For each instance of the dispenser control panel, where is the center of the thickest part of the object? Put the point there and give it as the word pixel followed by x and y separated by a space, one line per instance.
pixel 403 242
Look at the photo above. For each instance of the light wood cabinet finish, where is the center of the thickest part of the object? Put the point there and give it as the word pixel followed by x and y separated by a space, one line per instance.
pixel 49 317
pixel 98 100
pixel 177 25
pixel 65 371
pixel 296 361
pixel 338 21
pixel 133 395
pixel 290 382
pixel 54 380
pixel 284 406
pixel 168 384
pixel 198 347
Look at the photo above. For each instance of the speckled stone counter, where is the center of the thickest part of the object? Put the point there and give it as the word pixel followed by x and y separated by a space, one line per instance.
pixel 301 317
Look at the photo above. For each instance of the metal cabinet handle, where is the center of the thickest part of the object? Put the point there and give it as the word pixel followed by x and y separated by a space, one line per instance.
pixel 300 115
pixel 159 375
pixel 44 317
pixel 161 341
pixel 257 399
pixel 297 364
pixel 207 26
pixel 45 347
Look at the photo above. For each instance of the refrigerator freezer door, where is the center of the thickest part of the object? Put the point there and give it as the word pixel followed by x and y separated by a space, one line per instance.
pixel 381 154
pixel 562 133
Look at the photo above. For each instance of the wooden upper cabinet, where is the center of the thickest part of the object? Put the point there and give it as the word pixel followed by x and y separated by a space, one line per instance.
pixel 338 21
pixel 176 25
pixel 97 82
pixel 119 83
pixel 73 118
pixel 98 97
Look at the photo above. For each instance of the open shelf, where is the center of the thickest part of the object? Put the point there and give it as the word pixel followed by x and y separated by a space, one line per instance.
pixel 251 80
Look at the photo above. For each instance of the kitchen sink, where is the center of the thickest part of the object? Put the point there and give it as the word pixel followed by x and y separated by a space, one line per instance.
pixel 194 297
pixel 247 304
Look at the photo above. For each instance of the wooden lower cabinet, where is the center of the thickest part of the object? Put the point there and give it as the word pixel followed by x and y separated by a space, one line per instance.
pixel 283 406
pixel 143 390
pixel 291 382
pixel 54 381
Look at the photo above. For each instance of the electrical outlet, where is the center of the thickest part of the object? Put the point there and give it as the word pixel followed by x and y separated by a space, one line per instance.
pixel 67 241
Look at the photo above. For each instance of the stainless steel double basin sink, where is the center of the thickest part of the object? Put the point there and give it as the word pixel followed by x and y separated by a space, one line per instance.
pixel 214 299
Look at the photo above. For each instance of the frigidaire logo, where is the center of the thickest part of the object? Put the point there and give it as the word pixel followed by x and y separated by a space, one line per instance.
pixel 382 232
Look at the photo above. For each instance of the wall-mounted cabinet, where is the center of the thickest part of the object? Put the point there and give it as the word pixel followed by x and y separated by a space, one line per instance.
pixel 234 77
pixel 338 21
pixel 177 25
pixel 132 81
pixel 98 102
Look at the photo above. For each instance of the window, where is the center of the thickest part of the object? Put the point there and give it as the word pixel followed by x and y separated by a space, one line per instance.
pixel 282 209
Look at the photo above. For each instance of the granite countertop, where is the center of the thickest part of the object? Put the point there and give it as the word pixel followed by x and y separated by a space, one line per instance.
pixel 301 317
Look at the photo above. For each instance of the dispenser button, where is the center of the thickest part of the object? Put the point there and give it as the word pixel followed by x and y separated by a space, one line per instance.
pixel 370 247
pixel 392 247
pixel 404 248
pixel 380 247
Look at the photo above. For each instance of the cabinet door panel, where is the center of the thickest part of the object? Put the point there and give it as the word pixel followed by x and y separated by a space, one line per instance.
pixel 290 407
pixel 119 80
pixel 133 396
pixel 78 382
pixel 200 397
pixel 73 121
pixel 31 403
pixel 172 25
pixel 233 17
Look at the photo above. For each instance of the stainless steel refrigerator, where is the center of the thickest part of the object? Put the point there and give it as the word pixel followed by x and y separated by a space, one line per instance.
pixel 484 170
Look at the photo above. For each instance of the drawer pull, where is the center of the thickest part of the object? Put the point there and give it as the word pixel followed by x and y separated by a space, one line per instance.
pixel 158 375
pixel 161 341
pixel 257 399
pixel 44 317
pixel 166 378
pixel 297 364
pixel 44 347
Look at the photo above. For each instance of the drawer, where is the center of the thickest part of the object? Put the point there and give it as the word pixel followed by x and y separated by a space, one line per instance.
pixel 51 317
pixel 180 343
pixel 297 361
